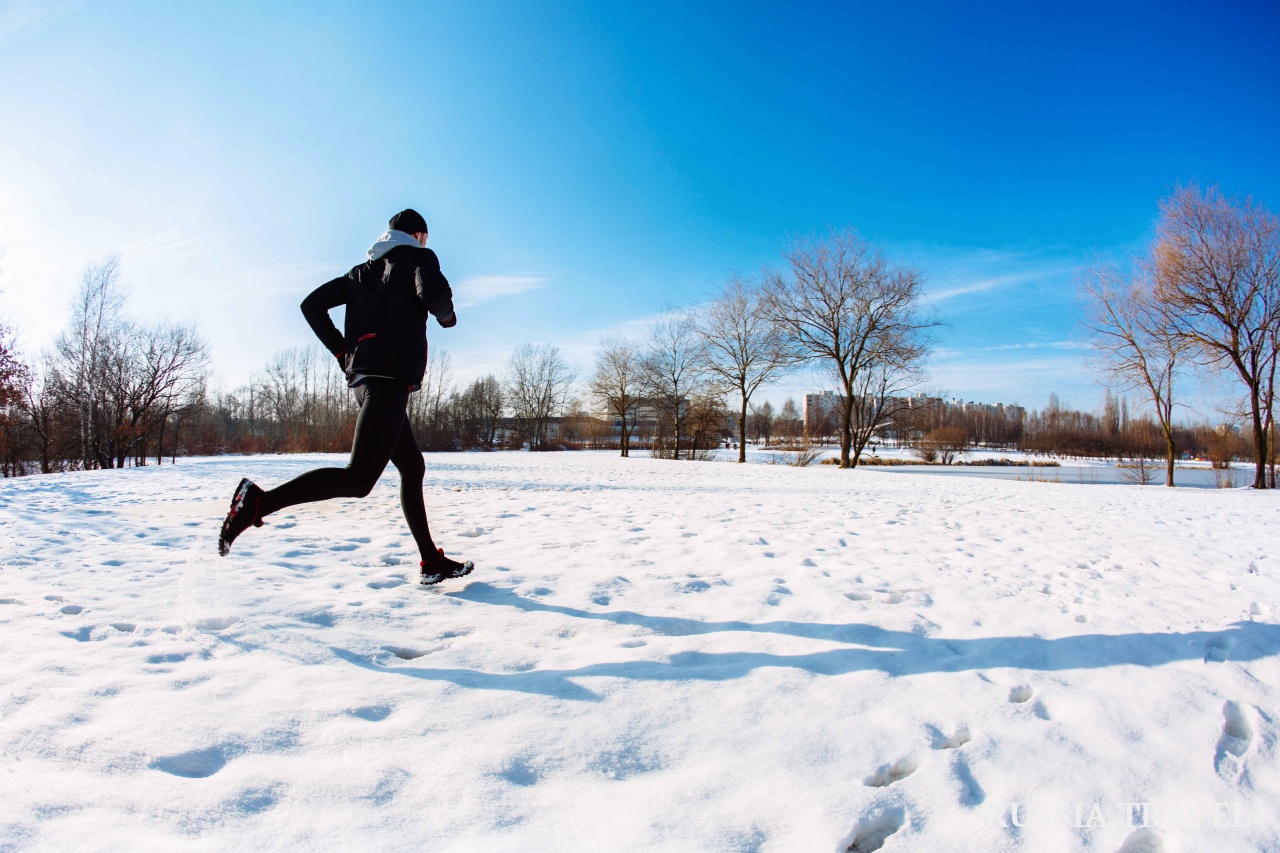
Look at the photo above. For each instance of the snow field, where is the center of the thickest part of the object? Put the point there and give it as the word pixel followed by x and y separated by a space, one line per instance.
pixel 650 656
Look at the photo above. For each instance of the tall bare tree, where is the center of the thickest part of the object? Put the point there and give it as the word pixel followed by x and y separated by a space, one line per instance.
pixel 1218 269
pixel 538 384
pixel 14 378
pixel 1134 341
pixel 617 386
pixel 674 367
pixel 842 303
pixel 744 347
pixel 880 398
pixel 172 363
pixel 86 351
pixel 427 410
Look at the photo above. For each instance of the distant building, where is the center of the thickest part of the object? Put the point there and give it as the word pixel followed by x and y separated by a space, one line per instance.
pixel 820 411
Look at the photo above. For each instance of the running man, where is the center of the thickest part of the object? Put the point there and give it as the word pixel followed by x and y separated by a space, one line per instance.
pixel 384 354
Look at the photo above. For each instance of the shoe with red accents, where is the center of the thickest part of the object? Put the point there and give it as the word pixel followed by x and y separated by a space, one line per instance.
pixel 242 515
pixel 443 568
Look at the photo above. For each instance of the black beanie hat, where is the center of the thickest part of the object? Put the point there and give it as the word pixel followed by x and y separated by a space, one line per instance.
pixel 409 221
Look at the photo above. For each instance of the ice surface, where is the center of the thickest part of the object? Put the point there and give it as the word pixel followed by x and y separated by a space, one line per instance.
pixel 650 656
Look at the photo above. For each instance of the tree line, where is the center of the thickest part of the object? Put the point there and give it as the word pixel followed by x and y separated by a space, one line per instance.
pixel 1204 298
pixel 111 391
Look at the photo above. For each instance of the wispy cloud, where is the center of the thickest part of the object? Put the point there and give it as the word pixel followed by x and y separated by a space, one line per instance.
pixel 22 19
pixel 1012 275
pixel 983 285
pixel 164 242
pixel 474 291
pixel 1061 345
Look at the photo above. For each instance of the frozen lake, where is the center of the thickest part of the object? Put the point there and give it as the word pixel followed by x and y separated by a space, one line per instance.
pixel 1195 478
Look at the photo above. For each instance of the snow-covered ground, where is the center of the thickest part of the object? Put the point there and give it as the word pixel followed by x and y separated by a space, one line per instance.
pixel 650 656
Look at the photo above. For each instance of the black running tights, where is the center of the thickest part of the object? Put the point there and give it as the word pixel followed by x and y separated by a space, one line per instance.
pixel 382 434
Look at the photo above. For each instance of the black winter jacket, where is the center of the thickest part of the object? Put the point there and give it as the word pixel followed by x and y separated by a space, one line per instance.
pixel 387 301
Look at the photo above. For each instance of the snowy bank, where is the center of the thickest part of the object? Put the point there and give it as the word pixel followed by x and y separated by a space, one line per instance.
pixel 650 656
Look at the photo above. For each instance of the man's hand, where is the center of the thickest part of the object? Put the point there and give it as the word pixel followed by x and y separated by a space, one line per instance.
pixel 448 322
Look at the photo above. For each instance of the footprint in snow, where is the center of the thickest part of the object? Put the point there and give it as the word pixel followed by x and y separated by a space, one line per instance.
pixel 404 653
pixel 775 597
pixel 871 832
pixel 520 772
pixel 54 598
pixel 957 740
pixel 347 546
pixel 971 793
pixel 216 623
pixel 196 764
pixel 1236 738
pixel 167 657
pixel 372 713
pixel 890 773
pixel 1143 840
pixel 1217 649
pixel 1021 694
pixel 71 609
pixel 389 583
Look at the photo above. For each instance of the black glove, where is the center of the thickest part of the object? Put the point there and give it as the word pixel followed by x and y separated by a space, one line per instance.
pixel 448 322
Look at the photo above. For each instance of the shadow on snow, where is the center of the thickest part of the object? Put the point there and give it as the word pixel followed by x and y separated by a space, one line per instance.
pixel 894 653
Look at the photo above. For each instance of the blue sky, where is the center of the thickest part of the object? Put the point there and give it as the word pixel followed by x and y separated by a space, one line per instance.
pixel 584 166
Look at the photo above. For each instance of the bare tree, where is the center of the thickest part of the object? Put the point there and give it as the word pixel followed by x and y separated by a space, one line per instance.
pixel 616 386
pixel 788 422
pixel 879 398
pixel 538 384
pixel 478 410
pixel 49 419
pixel 745 348
pixel 844 304
pixel 1218 269
pixel 85 350
pixel 428 406
pixel 171 369
pixel 14 378
pixel 673 367
pixel 762 423
pixel 943 445
pixel 1135 342
pixel 282 394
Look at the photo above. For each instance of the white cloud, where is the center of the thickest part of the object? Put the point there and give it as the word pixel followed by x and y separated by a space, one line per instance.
pixel 982 285
pixel 1060 345
pixel 168 242
pixel 22 19
pixel 474 291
